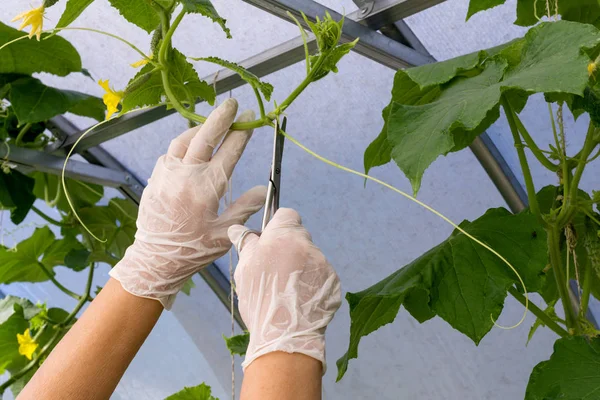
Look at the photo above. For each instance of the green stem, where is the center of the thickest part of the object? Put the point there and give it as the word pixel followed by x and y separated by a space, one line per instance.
pixel 261 106
pixel 57 283
pixel 535 310
pixel 48 218
pixel 559 275
pixel 15 377
pixel 533 146
pixel 22 133
pixel 510 116
pixel 588 147
pixel 586 290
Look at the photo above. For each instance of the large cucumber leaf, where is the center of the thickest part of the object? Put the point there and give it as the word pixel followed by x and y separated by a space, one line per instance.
pixel 529 12
pixel 26 262
pixel 54 55
pixel 571 373
pixel 32 101
pixel 458 280
pixel 551 58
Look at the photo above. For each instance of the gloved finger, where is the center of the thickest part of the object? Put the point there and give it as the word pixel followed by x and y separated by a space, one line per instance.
pixel 237 232
pixel 245 206
pixel 233 145
pixel 180 144
pixel 211 133
pixel 286 220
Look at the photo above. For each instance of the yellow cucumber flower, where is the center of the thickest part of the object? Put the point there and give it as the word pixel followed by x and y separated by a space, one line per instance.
pixel 33 17
pixel 111 98
pixel 142 62
pixel 27 345
pixel 592 68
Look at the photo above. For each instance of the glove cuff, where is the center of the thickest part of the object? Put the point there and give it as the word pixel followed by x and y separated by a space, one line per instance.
pixel 312 345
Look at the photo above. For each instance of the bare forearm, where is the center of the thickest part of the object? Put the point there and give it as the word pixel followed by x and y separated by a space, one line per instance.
pixel 282 376
pixel 91 359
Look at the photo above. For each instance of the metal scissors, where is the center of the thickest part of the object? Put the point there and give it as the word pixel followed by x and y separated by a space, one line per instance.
pixel 274 188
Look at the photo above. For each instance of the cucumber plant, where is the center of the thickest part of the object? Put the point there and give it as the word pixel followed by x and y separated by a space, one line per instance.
pixel 441 108
pixel 89 233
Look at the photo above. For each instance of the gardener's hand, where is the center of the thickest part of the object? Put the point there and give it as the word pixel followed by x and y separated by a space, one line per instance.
pixel 179 229
pixel 288 292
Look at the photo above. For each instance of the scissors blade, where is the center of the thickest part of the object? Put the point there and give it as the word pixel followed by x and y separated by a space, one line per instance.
pixel 273 190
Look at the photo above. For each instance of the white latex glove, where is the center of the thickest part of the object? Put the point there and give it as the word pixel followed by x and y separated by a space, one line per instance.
pixel 287 291
pixel 179 230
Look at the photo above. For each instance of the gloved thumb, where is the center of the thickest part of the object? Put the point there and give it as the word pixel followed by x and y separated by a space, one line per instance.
pixel 242 238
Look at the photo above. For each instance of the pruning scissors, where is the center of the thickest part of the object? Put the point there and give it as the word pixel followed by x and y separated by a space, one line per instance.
pixel 273 191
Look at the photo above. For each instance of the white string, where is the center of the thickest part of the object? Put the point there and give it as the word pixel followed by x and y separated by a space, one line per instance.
pixel 231 287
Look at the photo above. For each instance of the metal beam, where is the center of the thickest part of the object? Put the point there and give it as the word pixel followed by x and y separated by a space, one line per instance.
pixel 40 161
pixel 372 44
pixel 64 129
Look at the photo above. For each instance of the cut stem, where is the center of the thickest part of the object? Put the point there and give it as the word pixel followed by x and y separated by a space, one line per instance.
pixel 538 312
pixel 586 290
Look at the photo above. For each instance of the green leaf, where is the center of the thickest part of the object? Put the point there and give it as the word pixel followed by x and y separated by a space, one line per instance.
pixel 200 392
pixel 54 55
pixel 420 134
pixel 57 252
pixel 146 88
pixel 442 72
pixel 205 8
pixel 13 324
pixel 584 11
pixel 404 91
pixel 72 11
pixel 188 286
pixel 138 12
pixel 479 5
pixel 77 259
pixel 458 280
pixel 16 195
pixel 115 223
pixel 22 263
pixel 265 88
pixel 9 304
pixel 33 101
pixel 553 60
pixel 238 344
pixel 571 373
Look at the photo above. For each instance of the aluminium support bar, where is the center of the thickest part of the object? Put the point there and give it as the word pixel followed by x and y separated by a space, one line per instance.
pixel 372 44
pixel 32 159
